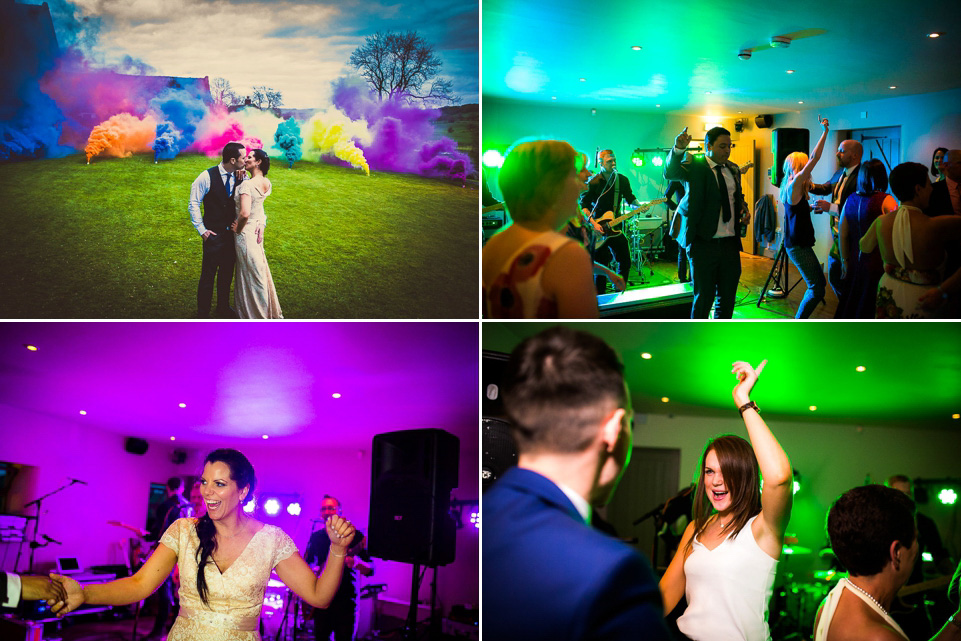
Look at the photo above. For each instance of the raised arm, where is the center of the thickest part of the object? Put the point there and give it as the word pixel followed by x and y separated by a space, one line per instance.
pixel 777 493
pixel 122 591
pixel 673 583
pixel 805 174
pixel 319 591
pixel 674 170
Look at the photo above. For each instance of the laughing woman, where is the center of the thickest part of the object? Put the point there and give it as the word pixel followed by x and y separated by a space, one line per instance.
pixel 727 557
pixel 225 558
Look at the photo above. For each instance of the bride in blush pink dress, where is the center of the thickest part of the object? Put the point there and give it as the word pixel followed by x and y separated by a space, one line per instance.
pixel 254 292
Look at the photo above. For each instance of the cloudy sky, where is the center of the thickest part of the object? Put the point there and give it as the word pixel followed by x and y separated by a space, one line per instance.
pixel 295 46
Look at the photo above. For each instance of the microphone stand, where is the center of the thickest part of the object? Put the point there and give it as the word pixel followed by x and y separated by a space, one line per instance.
pixel 36 524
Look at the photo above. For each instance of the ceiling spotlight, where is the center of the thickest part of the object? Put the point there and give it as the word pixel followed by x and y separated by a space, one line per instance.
pixel 936 34
pixel 553 97
pixel 956 416
pixel 83 412
pixel 182 405
pixel 636 48
pixel 744 54
pixel 780 42
pixel 593 112
pixel 813 408
pixel 800 102
pixel 173 438
pixel 790 71
pixel 665 399
pixel 658 106
pixel 583 79
pixel 860 368
pixel 265 437
pixel 335 395
pixel 707 93
pixel 32 348
pixel 893 87
pixel 646 356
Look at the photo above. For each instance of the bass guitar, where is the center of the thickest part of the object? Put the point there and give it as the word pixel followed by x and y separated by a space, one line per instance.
pixel 608 220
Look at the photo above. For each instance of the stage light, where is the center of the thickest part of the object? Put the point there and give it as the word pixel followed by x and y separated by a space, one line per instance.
pixel 265 437
pixel 936 34
pixel 646 356
pixel 583 79
pixel 797 481
pixel 790 71
pixel 492 158
pixel 335 395
pixel 657 161
pixel 83 412
pixel 665 399
pixel 860 368
pixel 637 158
pixel 893 87
pixel 251 506
pixel 797 486
pixel 947 496
pixel 293 509
pixel 800 102
pixel 272 507
pixel 956 416
pixel 182 405
pixel 926 556
pixel 173 438
pixel 32 348
pixel 475 519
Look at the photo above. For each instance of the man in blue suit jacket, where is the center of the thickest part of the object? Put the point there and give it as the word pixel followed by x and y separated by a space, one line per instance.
pixel 712 215
pixel 546 573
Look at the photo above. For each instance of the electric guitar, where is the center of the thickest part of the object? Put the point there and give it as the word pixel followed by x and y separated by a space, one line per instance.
pixel 607 220
pixel 494 207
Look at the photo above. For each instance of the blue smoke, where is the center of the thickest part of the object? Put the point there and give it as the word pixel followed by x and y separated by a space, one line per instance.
pixel 183 110
pixel 288 138
pixel 168 142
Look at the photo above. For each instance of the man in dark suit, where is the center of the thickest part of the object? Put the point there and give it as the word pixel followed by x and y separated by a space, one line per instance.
pixel 14 587
pixel 946 194
pixel 843 183
pixel 214 189
pixel 547 574
pixel 712 213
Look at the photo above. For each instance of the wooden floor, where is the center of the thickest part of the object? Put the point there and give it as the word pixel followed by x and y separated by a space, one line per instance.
pixel 754 272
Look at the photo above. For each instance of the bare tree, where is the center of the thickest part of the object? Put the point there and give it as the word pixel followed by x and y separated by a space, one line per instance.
pixel 402 64
pixel 222 92
pixel 266 98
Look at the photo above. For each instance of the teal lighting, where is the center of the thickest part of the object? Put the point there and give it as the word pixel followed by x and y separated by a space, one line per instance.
pixel 492 158
pixel 947 496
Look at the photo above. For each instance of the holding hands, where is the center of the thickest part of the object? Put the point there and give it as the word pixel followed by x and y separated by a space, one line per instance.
pixel 683 140
pixel 340 531
pixel 74 595
pixel 746 377
pixel 36 588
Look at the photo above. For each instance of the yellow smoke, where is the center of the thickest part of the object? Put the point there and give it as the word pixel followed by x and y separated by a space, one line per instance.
pixel 330 138
pixel 122 135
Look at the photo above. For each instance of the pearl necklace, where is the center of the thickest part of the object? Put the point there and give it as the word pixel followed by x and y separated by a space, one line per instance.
pixel 865 593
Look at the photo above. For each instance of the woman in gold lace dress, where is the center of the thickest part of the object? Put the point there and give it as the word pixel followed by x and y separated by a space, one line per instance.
pixel 225 558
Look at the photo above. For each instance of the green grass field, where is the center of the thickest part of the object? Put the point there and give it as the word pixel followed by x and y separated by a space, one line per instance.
pixel 113 240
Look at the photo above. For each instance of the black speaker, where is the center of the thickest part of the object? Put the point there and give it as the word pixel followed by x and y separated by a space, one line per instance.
pixel 764 121
pixel 178 456
pixel 500 450
pixel 493 365
pixel 784 141
pixel 412 475
pixel 135 445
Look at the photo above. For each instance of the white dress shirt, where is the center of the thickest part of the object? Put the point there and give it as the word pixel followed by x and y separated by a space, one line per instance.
pixel 197 192
pixel 725 229
pixel 13 590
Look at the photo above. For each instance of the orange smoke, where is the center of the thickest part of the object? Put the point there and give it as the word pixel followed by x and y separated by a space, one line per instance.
pixel 121 136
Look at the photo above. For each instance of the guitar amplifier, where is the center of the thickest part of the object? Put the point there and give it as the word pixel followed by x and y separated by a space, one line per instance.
pixel 491 222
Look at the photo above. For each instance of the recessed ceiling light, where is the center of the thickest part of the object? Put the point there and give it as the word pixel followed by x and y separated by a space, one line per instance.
pixel 553 97
pixel 936 34
pixel 593 112
pixel 645 356
pixel 813 408
pixel 83 412
pixel 800 102
pixel 32 348
pixel 860 368
pixel 336 394
pixel 893 87
pixel 658 106
pixel 182 405
pixel 636 47
pixel 173 438
pixel 707 92
pixel 665 399
pixel 583 79
pixel 790 71
pixel 956 416
pixel 265 437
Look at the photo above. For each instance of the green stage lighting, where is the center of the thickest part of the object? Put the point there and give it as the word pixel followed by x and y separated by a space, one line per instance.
pixel 492 158
pixel 797 486
pixel 926 556
pixel 637 158
pixel 947 496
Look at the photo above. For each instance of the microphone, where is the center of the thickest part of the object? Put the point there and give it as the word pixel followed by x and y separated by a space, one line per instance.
pixel 52 540
pixel 72 481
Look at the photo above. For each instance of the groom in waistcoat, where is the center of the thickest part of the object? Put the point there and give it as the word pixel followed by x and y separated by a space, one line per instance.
pixel 214 188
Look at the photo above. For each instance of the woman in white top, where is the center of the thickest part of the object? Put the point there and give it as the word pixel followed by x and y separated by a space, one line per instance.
pixel 874 536
pixel 726 560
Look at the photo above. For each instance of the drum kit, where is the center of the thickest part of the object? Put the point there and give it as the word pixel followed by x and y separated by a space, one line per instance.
pixel 795 603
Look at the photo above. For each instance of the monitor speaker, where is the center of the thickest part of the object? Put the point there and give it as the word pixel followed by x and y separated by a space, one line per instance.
pixel 135 446
pixel 412 475
pixel 784 141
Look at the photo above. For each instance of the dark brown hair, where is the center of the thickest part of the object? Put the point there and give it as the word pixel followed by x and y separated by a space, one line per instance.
pixel 742 477
pixel 864 522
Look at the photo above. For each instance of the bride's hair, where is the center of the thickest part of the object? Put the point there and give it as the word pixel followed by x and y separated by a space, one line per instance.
pixel 261 155
pixel 242 473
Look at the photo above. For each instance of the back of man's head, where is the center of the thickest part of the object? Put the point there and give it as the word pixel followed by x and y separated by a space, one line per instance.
pixel 559 387
pixel 174 483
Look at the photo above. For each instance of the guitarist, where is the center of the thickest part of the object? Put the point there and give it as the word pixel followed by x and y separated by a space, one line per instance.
pixel 605 192
pixel 339 616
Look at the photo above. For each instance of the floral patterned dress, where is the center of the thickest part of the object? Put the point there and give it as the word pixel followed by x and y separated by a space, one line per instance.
pixel 516 291
pixel 235 596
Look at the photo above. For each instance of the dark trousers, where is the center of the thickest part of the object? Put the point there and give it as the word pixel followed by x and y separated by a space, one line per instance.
pixel 834 276
pixel 616 254
pixel 165 601
pixel 715 270
pixel 218 262
pixel 682 265
pixel 337 619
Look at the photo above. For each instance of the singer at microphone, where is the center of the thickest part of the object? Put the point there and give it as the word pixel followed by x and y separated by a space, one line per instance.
pixel 601 202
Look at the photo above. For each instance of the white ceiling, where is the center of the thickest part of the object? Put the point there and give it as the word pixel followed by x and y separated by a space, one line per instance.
pixel 534 51
pixel 240 381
